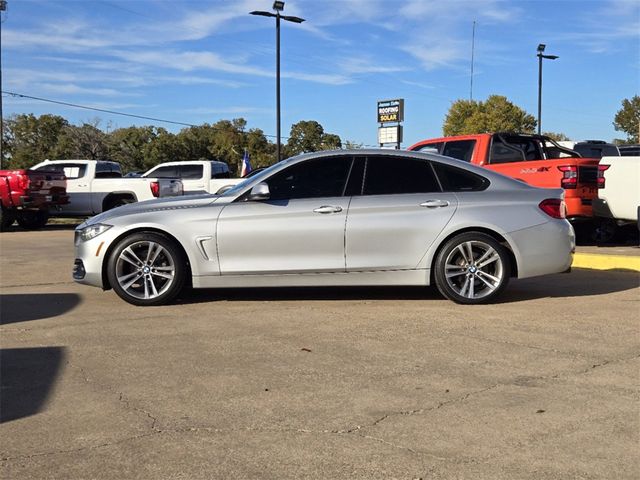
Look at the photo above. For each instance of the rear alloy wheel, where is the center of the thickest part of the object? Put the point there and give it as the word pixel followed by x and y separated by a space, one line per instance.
pixel 32 220
pixel 147 269
pixel 472 268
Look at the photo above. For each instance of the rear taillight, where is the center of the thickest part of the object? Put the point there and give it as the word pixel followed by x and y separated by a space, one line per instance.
pixel 601 170
pixel 23 181
pixel 554 207
pixel 569 176
pixel 155 188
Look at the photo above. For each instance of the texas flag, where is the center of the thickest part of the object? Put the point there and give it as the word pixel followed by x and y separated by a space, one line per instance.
pixel 246 165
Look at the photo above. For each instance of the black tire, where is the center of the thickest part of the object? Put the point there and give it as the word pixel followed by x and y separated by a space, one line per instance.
pixel 118 202
pixel 472 268
pixel 606 231
pixel 6 219
pixel 32 220
pixel 147 269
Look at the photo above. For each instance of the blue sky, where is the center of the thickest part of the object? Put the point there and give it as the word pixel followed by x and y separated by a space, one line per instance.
pixel 202 61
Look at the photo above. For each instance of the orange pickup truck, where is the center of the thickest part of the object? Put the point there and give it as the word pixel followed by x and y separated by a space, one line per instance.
pixel 534 159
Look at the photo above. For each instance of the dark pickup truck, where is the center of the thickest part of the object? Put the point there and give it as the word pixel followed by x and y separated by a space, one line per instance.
pixel 27 195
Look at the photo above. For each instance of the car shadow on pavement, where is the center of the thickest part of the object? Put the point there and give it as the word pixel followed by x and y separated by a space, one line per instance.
pixel 190 296
pixel 580 282
pixel 35 306
pixel 27 377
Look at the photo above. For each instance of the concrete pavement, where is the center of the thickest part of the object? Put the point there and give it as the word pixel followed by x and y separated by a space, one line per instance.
pixel 315 383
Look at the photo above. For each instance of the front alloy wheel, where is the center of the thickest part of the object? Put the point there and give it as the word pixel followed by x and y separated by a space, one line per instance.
pixel 147 269
pixel 472 268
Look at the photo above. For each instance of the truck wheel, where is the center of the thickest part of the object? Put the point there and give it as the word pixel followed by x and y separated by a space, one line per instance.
pixel 606 231
pixel 147 269
pixel 6 219
pixel 472 268
pixel 118 202
pixel 30 220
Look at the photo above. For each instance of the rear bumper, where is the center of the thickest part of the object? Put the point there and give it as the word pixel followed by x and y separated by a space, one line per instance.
pixel 39 201
pixel 601 208
pixel 544 249
pixel 579 207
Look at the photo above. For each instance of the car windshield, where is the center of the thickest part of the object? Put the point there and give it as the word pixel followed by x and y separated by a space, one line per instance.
pixel 254 178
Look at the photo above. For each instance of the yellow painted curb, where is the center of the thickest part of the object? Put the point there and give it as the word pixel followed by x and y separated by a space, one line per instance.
pixel 606 262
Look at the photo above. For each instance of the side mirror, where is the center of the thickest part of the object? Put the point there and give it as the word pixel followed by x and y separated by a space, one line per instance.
pixel 260 191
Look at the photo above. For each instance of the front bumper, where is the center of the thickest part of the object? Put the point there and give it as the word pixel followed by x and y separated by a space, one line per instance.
pixel 90 257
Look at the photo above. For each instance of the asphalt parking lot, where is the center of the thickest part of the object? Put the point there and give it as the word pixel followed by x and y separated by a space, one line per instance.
pixel 315 383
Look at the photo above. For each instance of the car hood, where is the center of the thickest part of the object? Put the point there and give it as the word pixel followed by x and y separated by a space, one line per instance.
pixel 162 204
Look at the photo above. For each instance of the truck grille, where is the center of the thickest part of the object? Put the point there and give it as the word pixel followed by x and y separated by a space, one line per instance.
pixel 588 175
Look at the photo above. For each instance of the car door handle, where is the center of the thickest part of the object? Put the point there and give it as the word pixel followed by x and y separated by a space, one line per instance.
pixel 328 209
pixel 82 186
pixel 435 203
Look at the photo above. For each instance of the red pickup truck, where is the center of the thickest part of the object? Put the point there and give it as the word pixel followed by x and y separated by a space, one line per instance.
pixel 534 159
pixel 27 195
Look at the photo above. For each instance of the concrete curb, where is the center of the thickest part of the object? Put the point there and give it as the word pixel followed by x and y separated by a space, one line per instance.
pixel 606 262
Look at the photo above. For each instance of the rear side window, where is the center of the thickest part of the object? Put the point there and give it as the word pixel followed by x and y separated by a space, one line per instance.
pixel 190 172
pixel 165 172
pixel 504 153
pixel 455 179
pixel 220 171
pixel 460 149
pixel 387 175
pixel 431 148
pixel 71 170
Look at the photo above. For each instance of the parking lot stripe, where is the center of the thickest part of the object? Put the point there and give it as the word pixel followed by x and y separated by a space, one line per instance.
pixel 606 262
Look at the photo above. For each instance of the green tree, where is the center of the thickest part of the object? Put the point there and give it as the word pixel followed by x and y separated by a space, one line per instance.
pixel 496 114
pixel 309 136
pixel 28 140
pixel 557 136
pixel 627 119
pixel 163 147
pixel 87 141
pixel 351 145
pixel 127 146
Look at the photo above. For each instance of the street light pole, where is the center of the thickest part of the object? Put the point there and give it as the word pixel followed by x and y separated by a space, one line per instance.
pixel 541 55
pixel 3 7
pixel 278 7
pixel 278 153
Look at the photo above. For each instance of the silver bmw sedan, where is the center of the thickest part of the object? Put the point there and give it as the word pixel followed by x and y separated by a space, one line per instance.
pixel 354 217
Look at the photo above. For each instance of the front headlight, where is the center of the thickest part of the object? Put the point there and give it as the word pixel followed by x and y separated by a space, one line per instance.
pixel 92 231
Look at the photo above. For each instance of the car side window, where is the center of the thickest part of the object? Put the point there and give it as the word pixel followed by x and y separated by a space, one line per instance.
pixel 455 179
pixel 321 177
pixel 190 172
pixel 387 175
pixel 460 149
pixel 72 171
pixel 165 172
pixel 504 153
pixel 431 148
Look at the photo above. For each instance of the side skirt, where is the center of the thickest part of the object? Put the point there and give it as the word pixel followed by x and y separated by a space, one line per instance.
pixel 381 278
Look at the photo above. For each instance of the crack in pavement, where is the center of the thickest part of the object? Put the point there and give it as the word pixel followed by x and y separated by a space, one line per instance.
pixel 575 355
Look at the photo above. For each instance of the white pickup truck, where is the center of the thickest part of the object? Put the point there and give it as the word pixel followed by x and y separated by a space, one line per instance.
pixel 198 176
pixel 618 202
pixel 95 186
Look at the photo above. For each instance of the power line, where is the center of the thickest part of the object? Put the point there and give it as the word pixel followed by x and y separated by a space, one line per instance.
pixel 112 112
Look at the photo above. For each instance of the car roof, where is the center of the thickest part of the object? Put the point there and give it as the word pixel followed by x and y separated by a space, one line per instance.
pixel 496 178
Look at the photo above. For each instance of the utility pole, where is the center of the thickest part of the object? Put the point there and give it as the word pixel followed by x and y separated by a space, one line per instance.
pixel 3 8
